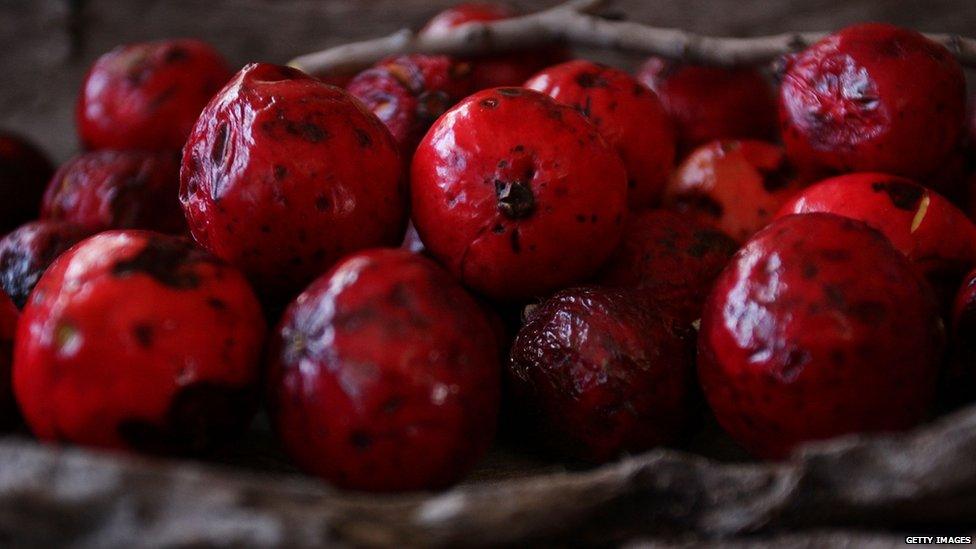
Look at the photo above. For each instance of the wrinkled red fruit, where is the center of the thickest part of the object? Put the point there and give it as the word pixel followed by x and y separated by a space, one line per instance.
pixel 8 328
pixel 409 92
pixel 26 252
pixel 148 95
pixel 283 175
pixel 117 190
pixel 490 71
pixel 516 194
pixel 709 103
pixel 384 375
pixel 670 259
pixel 24 172
pixel 139 341
pixel 873 97
pixel 603 373
pixel 818 328
pixel 935 235
pixel 736 186
pixel 629 117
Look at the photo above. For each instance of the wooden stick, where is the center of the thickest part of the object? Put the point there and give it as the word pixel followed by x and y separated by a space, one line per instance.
pixel 574 23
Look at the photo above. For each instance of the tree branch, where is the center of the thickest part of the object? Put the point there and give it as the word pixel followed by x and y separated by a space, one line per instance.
pixel 573 23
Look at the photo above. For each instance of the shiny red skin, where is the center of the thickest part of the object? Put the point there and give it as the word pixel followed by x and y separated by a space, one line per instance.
pixel 516 194
pixel 117 190
pixel 736 186
pixel 140 341
pixel 601 372
pixel 629 117
pixel 284 175
pixel 409 92
pixel 24 172
pixel 491 71
pixel 818 328
pixel 148 95
pixel 670 259
pixel 709 103
pixel 384 375
pixel 27 251
pixel 873 97
pixel 8 328
pixel 936 236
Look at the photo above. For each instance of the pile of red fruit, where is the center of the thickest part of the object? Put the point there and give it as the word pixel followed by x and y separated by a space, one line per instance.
pixel 663 236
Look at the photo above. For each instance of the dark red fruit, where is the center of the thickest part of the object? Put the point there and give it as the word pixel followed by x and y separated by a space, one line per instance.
pixel 873 97
pixel 148 95
pixel 935 235
pixel 736 186
pixel 283 175
pixel 709 103
pixel 24 172
pixel 26 253
pixel 8 328
pixel 629 117
pixel 140 341
pixel 489 71
pixel 384 375
pixel 409 92
pixel 818 328
pixel 516 194
pixel 670 259
pixel 117 190
pixel 603 373
pixel 959 383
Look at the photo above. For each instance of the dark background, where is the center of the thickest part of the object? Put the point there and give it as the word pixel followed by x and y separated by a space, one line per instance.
pixel 46 45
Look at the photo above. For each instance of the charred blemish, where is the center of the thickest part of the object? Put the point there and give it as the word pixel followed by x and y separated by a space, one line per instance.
pixel 809 270
pixel 322 203
pixel 489 102
pixel 201 416
pixel 143 334
pixel 360 440
pixel 217 304
pixel 518 149
pixel 309 131
pixel 515 199
pixel 700 203
pixel 498 228
pixel 392 404
pixel 904 195
pixel 704 241
pixel 175 55
pixel 591 80
pixel 779 177
pixel 265 228
pixel 280 172
pixel 363 138
pixel 168 261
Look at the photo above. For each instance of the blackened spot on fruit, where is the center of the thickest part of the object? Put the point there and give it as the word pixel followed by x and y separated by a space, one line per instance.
pixel 266 229
pixel 700 203
pixel 309 131
pixel 903 194
pixel 392 404
pixel 834 296
pixel 810 270
pixel 167 260
pixel 591 80
pixel 176 54
pixel 779 177
pixel 489 102
pixel 219 144
pixel 514 238
pixel 322 203
pixel 360 440
pixel 518 149
pixel 280 172
pixel 515 199
pixel 217 304
pixel 581 218
pixel 795 361
pixel 509 92
pixel 200 416
pixel 498 228
pixel 143 334
pixel 705 241
pixel 362 136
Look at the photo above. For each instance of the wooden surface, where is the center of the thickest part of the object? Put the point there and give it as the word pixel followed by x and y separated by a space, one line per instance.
pixel 47 44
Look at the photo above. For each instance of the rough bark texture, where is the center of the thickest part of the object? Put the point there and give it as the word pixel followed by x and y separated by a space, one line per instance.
pixel 858 492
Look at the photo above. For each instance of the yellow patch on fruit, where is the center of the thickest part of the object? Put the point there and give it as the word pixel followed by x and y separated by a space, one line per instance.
pixel 923 207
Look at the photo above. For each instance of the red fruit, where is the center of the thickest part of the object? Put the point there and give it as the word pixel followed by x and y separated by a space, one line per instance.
pixel 603 372
pixel 148 95
pixel 283 175
pixel 670 259
pixel 873 97
pixel 629 117
pixel 384 375
pixel 139 341
pixel 490 71
pixel 736 186
pixel 516 194
pixel 709 103
pixel 409 92
pixel 117 190
pixel 8 327
pixel 26 253
pixel 818 328
pixel 935 235
pixel 24 171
